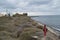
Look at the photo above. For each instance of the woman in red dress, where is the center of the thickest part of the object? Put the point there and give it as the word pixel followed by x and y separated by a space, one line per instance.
pixel 45 30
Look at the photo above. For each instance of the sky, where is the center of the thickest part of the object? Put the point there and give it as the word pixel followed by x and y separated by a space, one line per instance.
pixel 33 7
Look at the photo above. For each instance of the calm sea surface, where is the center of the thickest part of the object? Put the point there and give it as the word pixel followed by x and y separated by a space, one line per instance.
pixel 51 21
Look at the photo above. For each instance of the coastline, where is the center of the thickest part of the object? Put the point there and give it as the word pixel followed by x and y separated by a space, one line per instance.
pixel 22 26
pixel 51 32
pixel 49 28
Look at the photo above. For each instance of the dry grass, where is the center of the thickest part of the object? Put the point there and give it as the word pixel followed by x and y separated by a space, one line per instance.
pixel 28 33
pixel 9 27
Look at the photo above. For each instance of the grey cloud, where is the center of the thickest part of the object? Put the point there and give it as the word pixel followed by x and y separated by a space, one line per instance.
pixel 39 2
pixel 7 5
pixel 32 6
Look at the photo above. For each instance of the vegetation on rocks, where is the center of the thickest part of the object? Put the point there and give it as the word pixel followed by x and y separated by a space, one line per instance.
pixel 17 27
pixel 28 33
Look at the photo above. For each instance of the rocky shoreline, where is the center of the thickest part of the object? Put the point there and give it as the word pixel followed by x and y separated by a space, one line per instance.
pixel 51 31
pixel 22 27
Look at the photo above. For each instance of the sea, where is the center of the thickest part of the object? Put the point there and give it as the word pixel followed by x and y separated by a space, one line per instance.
pixel 52 21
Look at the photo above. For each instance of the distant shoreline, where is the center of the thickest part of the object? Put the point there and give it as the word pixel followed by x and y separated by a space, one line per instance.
pixel 49 28
pixel 53 30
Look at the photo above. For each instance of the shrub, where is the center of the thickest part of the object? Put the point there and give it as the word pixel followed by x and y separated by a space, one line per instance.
pixel 2 28
pixel 27 33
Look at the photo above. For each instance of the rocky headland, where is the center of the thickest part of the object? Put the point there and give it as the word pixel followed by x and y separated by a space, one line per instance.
pixel 22 27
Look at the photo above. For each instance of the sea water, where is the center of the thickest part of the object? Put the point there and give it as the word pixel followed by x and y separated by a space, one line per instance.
pixel 52 21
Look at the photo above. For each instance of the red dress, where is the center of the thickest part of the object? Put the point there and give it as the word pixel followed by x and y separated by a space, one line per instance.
pixel 45 30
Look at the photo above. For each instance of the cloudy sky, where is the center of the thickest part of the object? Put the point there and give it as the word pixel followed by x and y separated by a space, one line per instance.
pixel 33 7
